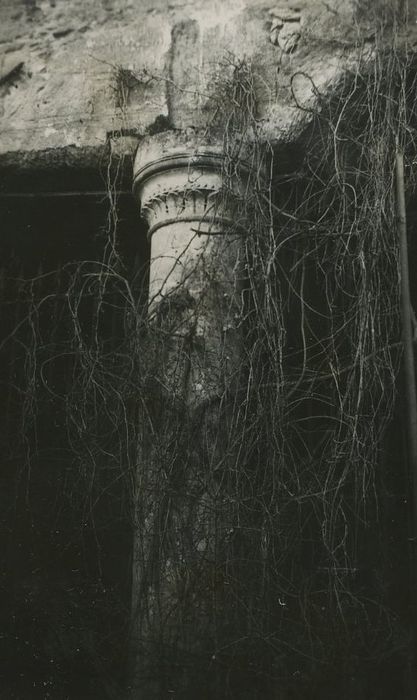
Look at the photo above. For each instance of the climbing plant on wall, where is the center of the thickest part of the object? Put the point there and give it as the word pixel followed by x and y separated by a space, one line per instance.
pixel 287 469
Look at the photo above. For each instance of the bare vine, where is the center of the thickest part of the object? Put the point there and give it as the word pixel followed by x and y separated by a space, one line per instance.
pixel 276 483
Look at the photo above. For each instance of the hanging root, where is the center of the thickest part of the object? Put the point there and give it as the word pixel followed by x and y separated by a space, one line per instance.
pixel 285 470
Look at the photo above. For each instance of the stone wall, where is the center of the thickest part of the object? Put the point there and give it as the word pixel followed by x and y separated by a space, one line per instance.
pixel 71 73
pixel 81 77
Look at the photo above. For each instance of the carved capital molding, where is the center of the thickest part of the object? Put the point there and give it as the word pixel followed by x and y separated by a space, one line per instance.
pixel 193 209
pixel 193 206
pixel 176 178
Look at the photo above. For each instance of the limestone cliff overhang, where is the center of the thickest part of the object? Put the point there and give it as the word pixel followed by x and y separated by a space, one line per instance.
pixel 73 72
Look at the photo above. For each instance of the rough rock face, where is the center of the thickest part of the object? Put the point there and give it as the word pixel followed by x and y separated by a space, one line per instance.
pixel 80 77
pixel 73 72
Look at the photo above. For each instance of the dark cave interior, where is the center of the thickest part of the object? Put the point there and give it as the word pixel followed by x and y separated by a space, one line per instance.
pixel 65 587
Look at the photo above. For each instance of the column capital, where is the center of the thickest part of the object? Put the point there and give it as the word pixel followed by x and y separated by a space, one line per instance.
pixel 182 176
pixel 191 195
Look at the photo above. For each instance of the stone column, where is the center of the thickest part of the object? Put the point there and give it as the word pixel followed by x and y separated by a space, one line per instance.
pixel 193 201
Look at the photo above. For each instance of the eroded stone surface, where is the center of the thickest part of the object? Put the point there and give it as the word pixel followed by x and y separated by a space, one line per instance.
pixel 286 27
pixel 88 68
pixel 74 71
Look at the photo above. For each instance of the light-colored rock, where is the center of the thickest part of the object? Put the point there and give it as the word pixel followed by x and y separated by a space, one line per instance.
pixel 196 267
pixel 92 68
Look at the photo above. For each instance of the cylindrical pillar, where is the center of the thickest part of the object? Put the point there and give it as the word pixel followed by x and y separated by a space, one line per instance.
pixel 192 197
